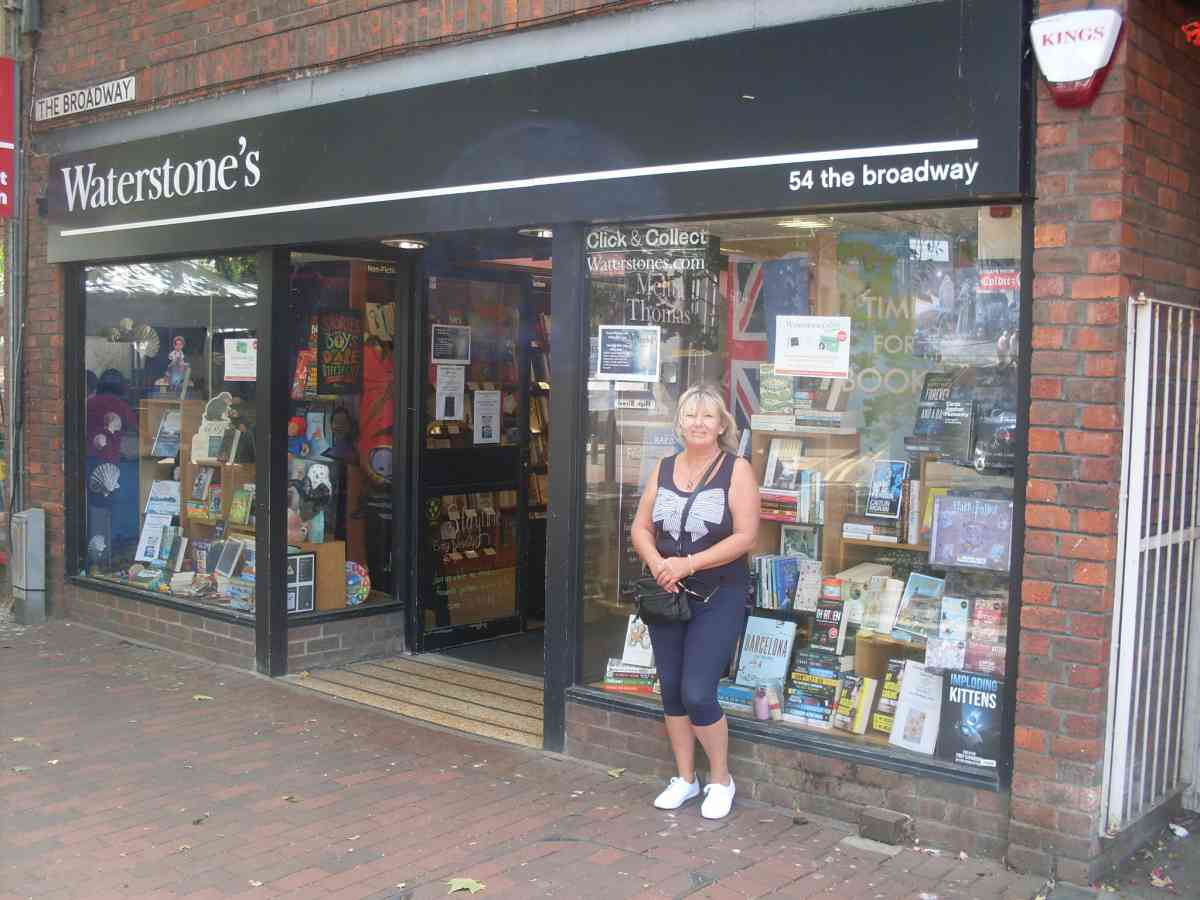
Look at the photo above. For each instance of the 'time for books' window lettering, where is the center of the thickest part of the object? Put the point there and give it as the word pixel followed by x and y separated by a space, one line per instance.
pixel 869 360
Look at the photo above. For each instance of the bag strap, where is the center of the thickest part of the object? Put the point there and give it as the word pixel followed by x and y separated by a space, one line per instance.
pixel 687 507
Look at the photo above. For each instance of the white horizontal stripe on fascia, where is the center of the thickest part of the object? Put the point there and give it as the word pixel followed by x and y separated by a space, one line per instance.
pixel 596 36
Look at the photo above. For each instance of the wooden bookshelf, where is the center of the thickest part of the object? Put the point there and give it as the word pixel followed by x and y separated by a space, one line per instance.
pixel 885 545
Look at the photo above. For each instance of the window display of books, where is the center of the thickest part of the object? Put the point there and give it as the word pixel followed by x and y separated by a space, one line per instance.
pixel 185 504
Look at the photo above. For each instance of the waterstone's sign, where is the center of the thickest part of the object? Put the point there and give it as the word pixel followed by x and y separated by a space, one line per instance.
pixel 528 146
pixel 98 96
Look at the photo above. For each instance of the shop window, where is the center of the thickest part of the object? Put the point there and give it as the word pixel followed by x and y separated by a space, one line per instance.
pixel 170 368
pixel 869 361
pixel 340 430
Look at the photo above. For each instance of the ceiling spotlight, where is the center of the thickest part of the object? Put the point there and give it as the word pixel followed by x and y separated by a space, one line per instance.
pixel 543 233
pixel 805 222
pixel 405 243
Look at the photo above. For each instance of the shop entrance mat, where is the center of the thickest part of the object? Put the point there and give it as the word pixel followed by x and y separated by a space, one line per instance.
pixel 494 703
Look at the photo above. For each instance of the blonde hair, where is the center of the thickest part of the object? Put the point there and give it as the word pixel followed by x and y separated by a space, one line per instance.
pixel 710 394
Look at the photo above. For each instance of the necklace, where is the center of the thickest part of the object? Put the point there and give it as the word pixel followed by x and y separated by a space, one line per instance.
pixel 691 482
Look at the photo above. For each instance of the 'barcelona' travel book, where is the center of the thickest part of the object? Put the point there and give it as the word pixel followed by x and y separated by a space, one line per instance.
pixel 766 651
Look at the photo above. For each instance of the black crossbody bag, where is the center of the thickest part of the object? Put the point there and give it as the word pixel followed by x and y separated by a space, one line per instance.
pixel 659 607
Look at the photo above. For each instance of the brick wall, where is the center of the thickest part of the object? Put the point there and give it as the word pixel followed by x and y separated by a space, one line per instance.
pixel 950 817
pixel 221 642
pixel 182 50
pixel 1116 212
pixel 335 643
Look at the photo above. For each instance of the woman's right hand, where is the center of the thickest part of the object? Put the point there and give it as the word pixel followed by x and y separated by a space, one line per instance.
pixel 670 573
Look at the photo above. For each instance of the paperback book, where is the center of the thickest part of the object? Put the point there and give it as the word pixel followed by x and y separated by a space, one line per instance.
pixel 920 608
pixel 783 464
pixel 887 488
pixel 918 709
pixel 166 439
pixel 828 629
pixel 637 650
pixel 163 498
pixel 150 539
pixel 855 698
pixel 931 408
pixel 884 715
pixel 202 480
pixel 766 651
pixel 774 391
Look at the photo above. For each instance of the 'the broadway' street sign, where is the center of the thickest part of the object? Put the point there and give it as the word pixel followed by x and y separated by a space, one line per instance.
pixel 110 93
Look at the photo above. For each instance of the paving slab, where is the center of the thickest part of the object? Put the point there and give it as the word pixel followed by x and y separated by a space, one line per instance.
pixel 118 779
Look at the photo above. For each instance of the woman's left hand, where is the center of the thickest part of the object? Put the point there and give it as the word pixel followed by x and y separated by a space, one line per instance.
pixel 673 570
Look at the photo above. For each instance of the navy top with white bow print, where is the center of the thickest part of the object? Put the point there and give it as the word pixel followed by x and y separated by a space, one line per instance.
pixel 709 522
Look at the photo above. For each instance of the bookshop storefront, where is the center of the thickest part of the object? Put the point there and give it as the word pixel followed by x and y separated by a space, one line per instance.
pixel 310 359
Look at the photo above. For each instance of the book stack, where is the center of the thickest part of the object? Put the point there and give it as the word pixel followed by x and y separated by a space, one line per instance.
pixel 780 506
pixel 735 697
pixel 626 678
pixel 812 688
pixel 819 404
pixel 864 528
pixel 804 505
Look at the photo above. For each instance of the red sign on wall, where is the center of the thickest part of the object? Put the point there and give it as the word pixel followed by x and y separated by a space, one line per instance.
pixel 8 150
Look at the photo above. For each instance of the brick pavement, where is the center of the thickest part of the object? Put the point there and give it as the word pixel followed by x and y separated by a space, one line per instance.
pixel 116 782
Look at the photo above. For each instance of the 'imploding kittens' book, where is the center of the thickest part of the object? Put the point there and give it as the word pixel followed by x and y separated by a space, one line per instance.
pixel 972 710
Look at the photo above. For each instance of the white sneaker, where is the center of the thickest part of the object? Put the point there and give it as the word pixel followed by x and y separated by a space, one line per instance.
pixel 718 798
pixel 677 793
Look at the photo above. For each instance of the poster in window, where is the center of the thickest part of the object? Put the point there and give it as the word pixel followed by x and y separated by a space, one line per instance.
pixel 486 417
pixel 630 353
pixel 817 346
pixel 339 357
pixel 241 359
pixel 449 393
pixel 450 345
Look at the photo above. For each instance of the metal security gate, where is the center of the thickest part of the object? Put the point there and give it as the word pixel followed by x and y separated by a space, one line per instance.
pixel 1151 679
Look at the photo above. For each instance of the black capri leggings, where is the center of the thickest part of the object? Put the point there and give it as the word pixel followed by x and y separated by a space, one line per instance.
pixel 691 657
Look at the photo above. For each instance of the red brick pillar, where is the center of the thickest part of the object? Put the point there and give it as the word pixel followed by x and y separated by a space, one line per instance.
pixel 1116 212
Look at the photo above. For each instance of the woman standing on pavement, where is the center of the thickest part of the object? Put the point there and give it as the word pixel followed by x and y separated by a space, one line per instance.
pixel 706 558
